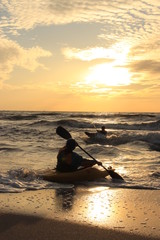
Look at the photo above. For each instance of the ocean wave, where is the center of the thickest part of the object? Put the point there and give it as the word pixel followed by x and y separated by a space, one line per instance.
pixel 23 179
pixel 87 115
pixel 64 122
pixel 10 149
pixel 43 123
pixel 113 115
pixel 150 126
pixel 155 147
pixel 74 123
pixel 155 175
pixel 130 121
pixel 20 117
pixel 14 132
pixel 48 113
pixel 153 139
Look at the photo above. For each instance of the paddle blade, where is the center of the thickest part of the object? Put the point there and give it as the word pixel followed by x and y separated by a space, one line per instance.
pixel 114 175
pixel 62 132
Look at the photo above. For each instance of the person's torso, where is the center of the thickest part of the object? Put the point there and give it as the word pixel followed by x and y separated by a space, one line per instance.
pixel 68 162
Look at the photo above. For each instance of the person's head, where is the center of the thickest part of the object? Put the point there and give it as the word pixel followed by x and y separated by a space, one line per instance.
pixel 103 128
pixel 71 144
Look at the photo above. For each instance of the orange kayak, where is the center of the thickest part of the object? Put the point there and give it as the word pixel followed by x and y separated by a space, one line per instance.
pixel 87 174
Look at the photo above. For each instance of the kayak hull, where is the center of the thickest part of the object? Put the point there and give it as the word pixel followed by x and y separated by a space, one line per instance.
pixel 96 135
pixel 87 174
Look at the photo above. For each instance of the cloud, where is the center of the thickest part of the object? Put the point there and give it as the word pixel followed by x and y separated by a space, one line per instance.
pixel 12 54
pixel 88 54
pixel 145 58
pixel 150 66
pixel 150 49
pixel 118 14
pixel 135 21
pixel 115 53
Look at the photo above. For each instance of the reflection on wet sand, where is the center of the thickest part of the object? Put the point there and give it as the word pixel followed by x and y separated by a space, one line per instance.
pixel 67 197
pixel 95 207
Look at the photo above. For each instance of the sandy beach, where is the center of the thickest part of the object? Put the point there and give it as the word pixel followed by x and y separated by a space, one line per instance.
pixel 82 213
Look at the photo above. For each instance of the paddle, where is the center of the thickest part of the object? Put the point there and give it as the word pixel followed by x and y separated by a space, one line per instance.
pixel 62 132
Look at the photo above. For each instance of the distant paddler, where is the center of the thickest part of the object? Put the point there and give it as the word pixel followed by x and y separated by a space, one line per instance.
pixel 102 131
pixel 99 134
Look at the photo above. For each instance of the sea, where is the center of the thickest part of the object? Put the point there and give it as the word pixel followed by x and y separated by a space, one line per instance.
pixel 29 144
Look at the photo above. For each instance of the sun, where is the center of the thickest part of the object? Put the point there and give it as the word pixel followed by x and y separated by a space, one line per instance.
pixel 112 73
pixel 109 75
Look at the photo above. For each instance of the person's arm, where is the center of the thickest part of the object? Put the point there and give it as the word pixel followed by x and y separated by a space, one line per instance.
pixel 89 163
pixel 78 161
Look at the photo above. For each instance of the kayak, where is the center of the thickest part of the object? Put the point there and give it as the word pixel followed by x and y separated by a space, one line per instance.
pixel 86 174
pixel 96 135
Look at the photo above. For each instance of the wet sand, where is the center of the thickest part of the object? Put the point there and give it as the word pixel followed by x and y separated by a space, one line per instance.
pixel 83 213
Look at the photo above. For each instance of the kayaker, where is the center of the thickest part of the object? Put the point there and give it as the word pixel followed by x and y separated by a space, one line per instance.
pixel 69 161
pixel 102 131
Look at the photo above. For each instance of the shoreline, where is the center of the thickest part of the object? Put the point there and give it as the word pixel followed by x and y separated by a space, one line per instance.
pixel 81 213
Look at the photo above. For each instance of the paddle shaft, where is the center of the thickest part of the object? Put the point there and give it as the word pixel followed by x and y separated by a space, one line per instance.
pixel 112 173
pixel 90 156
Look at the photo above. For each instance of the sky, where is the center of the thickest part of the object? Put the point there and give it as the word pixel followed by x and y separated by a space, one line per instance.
pixel 72 55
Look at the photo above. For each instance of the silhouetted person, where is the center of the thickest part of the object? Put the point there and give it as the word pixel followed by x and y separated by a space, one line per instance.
pixel 102 131
pixel 69 161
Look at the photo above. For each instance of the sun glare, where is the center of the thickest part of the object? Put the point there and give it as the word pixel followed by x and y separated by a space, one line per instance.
pixel 99 208
pixel 108 75
pixel 113 73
